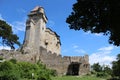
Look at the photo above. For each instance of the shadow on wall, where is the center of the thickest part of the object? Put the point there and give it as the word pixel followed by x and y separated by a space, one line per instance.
pixel 73 69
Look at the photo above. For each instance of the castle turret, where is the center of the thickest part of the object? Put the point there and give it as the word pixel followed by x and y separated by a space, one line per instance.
pixel 35 28
pixel 37 35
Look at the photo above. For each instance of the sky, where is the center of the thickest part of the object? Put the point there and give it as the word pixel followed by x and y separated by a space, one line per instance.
pixel 74 43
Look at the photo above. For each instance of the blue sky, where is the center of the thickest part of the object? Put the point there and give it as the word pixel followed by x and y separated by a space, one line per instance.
pixel 74 43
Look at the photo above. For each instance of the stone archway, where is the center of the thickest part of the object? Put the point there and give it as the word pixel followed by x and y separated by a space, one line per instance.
pixel 73 69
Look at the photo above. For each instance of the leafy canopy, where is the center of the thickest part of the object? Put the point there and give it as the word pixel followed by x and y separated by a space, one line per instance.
pixel 96 67
pixel 116 67
pixel 6 35
pixel 97 16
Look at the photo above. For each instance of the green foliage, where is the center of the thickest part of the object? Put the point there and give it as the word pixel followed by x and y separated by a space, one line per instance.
pixel 6 66
pixel 107 70
pixel 9 71
pixel 101 71
pixel 13 70
pixel 118 57
pixel 25 69
pixel 1 58
pixel 96 67
pixel 97 16
pixel 53 72
pixel 43 75
pixel 101 74
pixel 13 61
pixel 7 36
pixel 9 75
pixel 77 78
pixel 93 72
pixel 116 67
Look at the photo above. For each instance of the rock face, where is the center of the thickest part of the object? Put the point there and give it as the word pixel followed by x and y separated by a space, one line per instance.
pixel 42 44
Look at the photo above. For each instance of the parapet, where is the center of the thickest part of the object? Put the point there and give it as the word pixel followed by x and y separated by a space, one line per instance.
pixel 38 10
pixel 79 59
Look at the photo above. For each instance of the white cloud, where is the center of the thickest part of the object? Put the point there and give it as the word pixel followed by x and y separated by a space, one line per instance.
pixel 75 46
pixel 96 34
pixel 18 26
pixel 109 48
pixel 80 51
pixel 77 50
pixel 103 56
pixel 5 47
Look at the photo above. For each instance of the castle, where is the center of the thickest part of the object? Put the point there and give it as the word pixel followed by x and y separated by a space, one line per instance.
pixel 37 35
pixel 42 44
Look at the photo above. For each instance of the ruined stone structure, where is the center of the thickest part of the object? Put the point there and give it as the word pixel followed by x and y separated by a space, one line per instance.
pixel 77 65
pixel 37 35
pixel 42 44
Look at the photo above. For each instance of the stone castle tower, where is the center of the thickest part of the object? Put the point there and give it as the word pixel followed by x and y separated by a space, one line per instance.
pixel 37 35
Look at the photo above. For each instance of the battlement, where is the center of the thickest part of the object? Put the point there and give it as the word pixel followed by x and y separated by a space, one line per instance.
pixel 38 11
pixel 63 65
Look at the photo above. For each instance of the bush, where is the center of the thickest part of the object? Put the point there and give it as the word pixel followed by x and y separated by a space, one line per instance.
pixel 26 69
pixel 1 58
pixel 8 71
pixel 101 74
pixel 53 72
pixel 9 76
pixel 13 61
pixel 93 72
pixel 13 70
pixel 6 66
pixel 113 79
pixel 43 75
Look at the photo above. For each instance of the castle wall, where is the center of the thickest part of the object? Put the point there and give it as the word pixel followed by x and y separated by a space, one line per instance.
pixel 63 65
pixel 52 43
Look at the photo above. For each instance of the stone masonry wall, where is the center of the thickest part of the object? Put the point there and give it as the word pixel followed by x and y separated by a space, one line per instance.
pixel 61 64
pixel 52 61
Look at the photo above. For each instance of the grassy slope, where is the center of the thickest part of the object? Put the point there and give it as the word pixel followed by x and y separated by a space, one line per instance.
pixel 77 78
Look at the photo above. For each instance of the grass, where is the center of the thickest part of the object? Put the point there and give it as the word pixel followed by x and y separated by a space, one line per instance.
pixel 77 78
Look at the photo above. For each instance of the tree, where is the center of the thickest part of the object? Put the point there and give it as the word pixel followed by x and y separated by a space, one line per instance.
pixel 116 67
pixel 6 35
pixel 97 16
pixel 96 67
pixel 107 69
